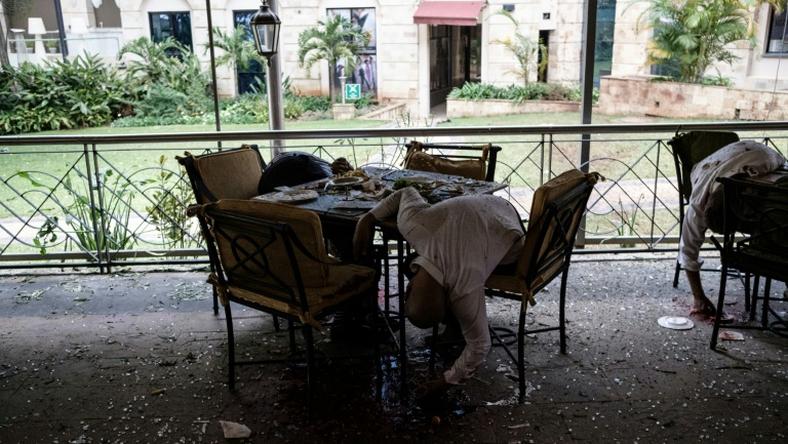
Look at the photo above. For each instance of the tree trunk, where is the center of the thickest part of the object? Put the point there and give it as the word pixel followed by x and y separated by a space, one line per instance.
pixel 332 68
pixel 3 43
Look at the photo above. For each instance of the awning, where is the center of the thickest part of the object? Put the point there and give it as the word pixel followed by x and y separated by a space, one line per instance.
pixel 455 13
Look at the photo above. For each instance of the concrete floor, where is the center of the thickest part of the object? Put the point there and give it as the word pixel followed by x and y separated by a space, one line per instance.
pixel 140 357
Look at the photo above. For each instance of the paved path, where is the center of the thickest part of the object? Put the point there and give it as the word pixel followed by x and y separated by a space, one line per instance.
pixel 141 358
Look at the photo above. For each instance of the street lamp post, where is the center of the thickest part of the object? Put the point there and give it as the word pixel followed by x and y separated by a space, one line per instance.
pixel 265 28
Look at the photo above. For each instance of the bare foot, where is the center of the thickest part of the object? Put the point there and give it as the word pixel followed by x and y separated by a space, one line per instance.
pixel 703 308
pixel 432 389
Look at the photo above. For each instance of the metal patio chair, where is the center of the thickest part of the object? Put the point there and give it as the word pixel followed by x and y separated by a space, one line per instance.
pixel 228 174
pixel 688 149
pixel 272 257
pixel 556 212
pixel 755 240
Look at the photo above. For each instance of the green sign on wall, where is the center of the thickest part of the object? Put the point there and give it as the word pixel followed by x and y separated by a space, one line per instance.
pixel 352 91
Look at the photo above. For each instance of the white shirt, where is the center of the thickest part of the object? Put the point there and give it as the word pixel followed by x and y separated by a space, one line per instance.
pixel 747 157
pixel 460 241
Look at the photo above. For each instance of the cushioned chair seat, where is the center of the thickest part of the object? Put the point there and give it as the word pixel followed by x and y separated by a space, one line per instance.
pixel 344 282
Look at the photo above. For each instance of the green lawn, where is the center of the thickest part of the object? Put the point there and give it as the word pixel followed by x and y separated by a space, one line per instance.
pixel 47 165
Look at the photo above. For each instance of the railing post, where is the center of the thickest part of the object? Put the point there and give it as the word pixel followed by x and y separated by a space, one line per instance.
pixel 654 196
pixel 587 85
pixel 91 195
pixel 102 212
pixel 541 162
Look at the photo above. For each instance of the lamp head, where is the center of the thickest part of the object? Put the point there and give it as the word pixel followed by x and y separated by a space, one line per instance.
pixel 265 28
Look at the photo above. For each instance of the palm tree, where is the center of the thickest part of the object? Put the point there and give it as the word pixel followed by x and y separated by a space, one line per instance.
pixel 239 49
pixel 696 34
pixel 154 60
pixel 332 40
pixel 524 50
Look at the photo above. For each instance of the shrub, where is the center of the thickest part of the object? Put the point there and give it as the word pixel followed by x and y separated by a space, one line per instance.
pixel 80 92
pixel 365 101
pixel 165 78
pixel 314 103
pixel 517 93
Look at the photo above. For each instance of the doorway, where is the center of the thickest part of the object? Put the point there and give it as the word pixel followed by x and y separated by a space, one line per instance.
pixel 455 58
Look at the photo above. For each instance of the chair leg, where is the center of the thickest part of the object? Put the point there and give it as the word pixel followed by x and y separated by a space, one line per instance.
pixel 215 302
pixel 521 356
pixel 386 278
pixel 310 363
pixel 277 327
pixel 767 289
pixel 676 275
pixel 230 346
pixel 403 351
pixel 562 312
pixel 291 333
pixel 754 298
pixel 720 303
pixel 433 344
pixel 746 292
pixel 378 363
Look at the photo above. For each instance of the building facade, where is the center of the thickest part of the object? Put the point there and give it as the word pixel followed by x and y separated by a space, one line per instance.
pixel 419 49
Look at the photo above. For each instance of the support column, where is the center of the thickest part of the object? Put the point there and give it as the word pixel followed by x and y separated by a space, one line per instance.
pixel 276 115
pixel 424 71
pixel 587 85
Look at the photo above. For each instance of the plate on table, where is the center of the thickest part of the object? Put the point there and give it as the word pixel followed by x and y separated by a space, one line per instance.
pixel 346 181
pixel 295 196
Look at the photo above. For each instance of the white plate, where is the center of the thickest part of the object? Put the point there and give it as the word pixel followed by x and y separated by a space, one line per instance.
pixel 345 181
pixel 294 196
pixel 675 322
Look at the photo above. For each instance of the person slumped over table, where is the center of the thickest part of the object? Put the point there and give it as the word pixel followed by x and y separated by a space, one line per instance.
pixel 459 243
pixel 705 205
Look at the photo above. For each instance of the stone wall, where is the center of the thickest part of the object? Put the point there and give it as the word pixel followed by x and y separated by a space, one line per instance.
pixel 496 107
pixel 640 96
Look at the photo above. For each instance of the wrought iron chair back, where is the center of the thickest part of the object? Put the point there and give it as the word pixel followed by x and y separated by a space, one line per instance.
pixel 486 155
pixel 551 239
pixel 688 149
pixel 227 174
pixel 259 256
pixel 755 239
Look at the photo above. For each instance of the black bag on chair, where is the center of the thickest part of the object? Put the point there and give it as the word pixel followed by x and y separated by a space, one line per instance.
pixel 293 168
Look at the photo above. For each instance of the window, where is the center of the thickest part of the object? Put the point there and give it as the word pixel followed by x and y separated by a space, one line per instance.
pixel 177 25
pixel 365 71
pixel 253 77
pixel 777 39
pixel 605 30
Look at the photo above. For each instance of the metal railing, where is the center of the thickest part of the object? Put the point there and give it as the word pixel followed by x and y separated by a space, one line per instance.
pixel 118 200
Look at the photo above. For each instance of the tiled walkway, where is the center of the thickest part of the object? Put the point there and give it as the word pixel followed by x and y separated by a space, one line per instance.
pixel 140 357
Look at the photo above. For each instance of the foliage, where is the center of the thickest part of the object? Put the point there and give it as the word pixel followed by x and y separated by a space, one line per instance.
pixel 333 40
pixel 239 51
pixel 531 91
pixel 696 34
pixel 112 220
pixel 80 92
pixel 525 50
pixel 168 212
pixel 163 76
pixel 247 108
pixel 313 103
pixel 708 81
pixel 365 101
